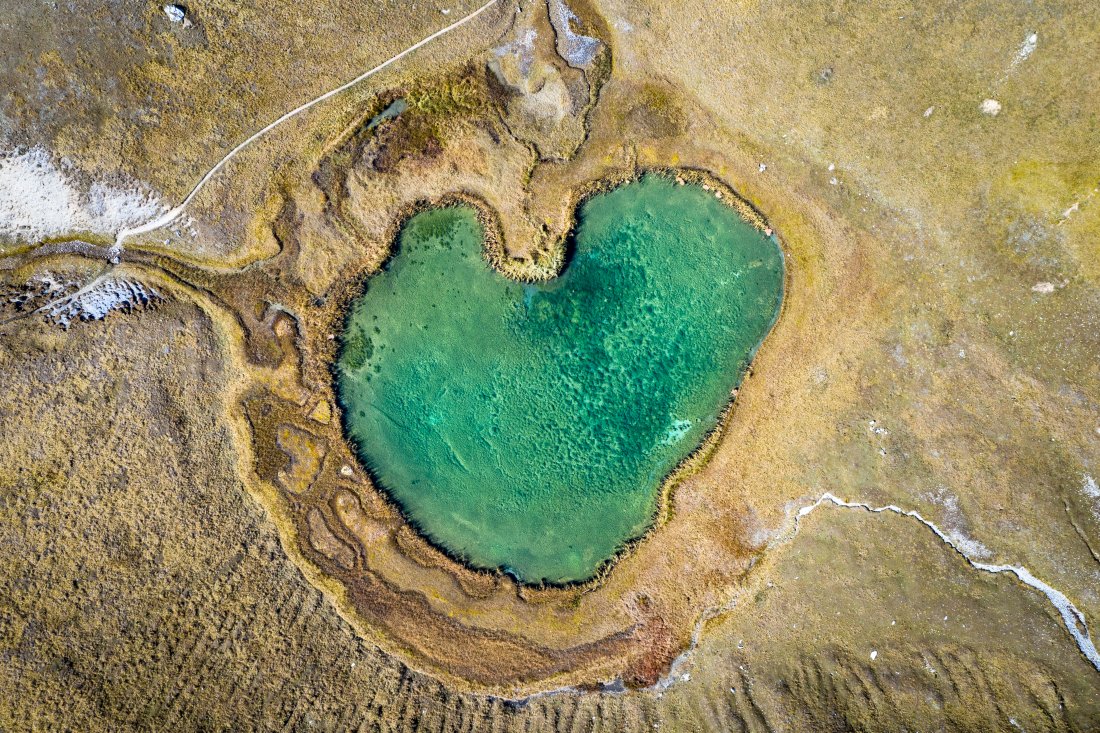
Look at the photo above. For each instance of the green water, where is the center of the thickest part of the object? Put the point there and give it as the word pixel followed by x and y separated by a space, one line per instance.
pixel 530 427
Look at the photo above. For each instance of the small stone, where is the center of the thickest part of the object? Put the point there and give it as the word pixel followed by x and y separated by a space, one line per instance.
pixel 990 107
pixel 175 13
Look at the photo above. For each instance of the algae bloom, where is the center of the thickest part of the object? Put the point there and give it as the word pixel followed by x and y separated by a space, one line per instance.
pixel 530 427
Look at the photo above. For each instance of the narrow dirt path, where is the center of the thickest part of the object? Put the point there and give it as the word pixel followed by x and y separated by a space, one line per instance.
pixel 173 214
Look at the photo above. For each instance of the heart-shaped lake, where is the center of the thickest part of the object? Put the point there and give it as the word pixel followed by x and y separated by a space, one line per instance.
pixel 530 427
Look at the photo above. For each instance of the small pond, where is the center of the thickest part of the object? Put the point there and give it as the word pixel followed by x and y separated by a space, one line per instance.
pixel 530 427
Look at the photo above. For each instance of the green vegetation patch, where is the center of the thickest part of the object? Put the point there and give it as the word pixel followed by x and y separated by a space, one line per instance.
pixel 530 426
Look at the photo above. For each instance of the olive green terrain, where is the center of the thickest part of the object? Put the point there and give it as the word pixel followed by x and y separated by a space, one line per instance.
pixel 937 350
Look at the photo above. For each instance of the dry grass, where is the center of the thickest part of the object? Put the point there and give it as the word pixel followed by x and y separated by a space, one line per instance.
pixel 910 304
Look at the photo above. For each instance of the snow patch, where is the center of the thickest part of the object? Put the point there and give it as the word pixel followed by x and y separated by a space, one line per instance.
pixel 1090 489
pixel 967 545
pixel 1072 617
pixel 92 302
pixel 39 200
pixel 576 49
pixel 523 48
pixel 1026 49
pixel 955 524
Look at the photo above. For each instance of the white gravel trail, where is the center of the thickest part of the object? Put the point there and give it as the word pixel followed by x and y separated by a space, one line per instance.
pixel 172 214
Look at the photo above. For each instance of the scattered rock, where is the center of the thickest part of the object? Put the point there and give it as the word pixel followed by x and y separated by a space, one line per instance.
pixel 175 13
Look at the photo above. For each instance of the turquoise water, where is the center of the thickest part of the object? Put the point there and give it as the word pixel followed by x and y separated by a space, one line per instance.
pixel 530 427
pixel 393 111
